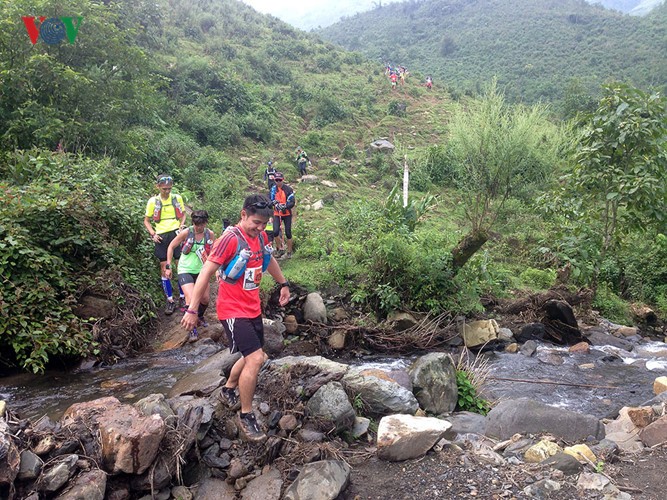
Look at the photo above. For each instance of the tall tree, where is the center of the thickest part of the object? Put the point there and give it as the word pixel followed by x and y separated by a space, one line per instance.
pixel 620 172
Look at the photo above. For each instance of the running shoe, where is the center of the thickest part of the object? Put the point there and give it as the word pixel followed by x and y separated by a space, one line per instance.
pixel 230 399
pixel 169 309
pixel 249 428
pixel 202 323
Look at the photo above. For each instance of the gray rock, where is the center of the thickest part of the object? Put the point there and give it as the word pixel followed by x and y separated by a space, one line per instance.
pixel 90 485
pixel 598 337
pixel 477 333
pixel 197 383
pixel 401 321
pixel 220 362
pixel 605 449
pixel 528 348
pixel 181 493
pixel 57 474
pixel 323 480
pixel 215 489
pixel 330 403
pixel 542 488
pixel 156 477
pixel 322 364
pixel 505 334
pixel 565 463
pixel 360 427
pixel 314 309
pixel 265 487
pixel 382 145
pixel 433 378
pixel 532 417
pixel 31 465
pixel 464 422
pixel 156 404
pixel 310 435
pixel 380 397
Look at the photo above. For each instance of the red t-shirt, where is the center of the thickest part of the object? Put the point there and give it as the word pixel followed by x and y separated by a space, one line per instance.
pixel 241 299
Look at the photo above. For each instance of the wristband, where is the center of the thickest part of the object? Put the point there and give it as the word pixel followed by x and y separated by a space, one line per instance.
pixel 167 266
pixel 189 311
pixel 284 285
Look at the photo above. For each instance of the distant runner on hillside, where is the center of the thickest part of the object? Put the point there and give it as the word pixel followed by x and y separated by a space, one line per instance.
pixel 393 78
pixel 429 82
pixel 269 174
pixel 302 160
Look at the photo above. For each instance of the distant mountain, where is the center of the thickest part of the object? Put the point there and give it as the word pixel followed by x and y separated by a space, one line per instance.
pixel 632 7
pixel 534 47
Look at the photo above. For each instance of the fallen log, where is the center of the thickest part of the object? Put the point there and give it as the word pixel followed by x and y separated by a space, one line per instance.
pixel 550 382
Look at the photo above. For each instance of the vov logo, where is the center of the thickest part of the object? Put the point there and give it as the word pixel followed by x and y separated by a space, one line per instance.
pixel 53 29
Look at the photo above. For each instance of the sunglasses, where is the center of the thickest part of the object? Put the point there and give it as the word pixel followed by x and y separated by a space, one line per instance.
pixel 165 180
pixel 278 180
pixel 260 204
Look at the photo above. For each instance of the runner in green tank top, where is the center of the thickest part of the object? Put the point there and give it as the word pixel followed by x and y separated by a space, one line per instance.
pixel 195 244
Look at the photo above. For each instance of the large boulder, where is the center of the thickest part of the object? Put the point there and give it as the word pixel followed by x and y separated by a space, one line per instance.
pixel 90 485
pixel 380 396
pixel 130 440
pixel 525 416
pixel 314 309
pixel 322 364
pixel 10 458
pixel 382 145
pixel 402 437
pixel 433 378
pixel 323 480
pixel 330 403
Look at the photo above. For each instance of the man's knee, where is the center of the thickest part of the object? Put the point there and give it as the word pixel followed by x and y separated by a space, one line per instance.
pixel 254 360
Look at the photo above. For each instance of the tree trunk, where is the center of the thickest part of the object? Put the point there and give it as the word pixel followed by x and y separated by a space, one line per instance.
pixel 467 247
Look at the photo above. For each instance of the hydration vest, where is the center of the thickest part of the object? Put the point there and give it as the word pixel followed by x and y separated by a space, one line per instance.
pixel 157 211
pixel 190 241
pixel 242 244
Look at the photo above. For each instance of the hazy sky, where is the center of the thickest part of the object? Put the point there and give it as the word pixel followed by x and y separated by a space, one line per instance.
pixel 312 13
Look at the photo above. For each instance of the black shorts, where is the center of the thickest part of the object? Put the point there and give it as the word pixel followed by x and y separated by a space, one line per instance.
pixel 161 248
pixel 245 335
pixel 187 278
pixel 287 222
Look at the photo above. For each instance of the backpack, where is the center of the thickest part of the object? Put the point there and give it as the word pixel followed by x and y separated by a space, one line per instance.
pixel 190 241
pixel 157 211
pixel 242 244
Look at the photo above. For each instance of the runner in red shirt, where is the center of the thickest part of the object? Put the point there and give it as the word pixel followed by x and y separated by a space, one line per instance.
pixel 238 304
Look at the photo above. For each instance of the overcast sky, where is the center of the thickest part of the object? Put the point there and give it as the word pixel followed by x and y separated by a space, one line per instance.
pixel 307 14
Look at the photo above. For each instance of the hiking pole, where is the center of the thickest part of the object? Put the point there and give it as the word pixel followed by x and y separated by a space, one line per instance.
pixel 589 386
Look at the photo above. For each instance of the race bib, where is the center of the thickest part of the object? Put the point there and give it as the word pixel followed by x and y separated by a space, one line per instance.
pixel 252 278
pixel 201 253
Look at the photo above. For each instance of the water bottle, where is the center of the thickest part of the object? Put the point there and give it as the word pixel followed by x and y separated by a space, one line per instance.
pixel 266 257
pixel 237 266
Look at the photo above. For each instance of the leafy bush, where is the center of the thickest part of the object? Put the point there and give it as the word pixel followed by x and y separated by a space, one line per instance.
pixel 64 229
pixel 397 108
pixel 468 399
pixel 539 279
pixel 329 110
pixel 611 306
pixel 349 152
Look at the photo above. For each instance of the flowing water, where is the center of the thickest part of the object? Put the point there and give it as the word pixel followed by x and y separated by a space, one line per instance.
pixel 621 378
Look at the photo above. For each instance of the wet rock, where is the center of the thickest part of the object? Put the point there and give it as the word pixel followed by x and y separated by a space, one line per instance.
pixel 67 447
pixel 580 348
pixel 57 474
pixel 401 437
pixel 381 397
pixel 599 337
pixel 641 416
pixel 433 378
pixel 565 463
pixel 528 416
pixel 531 331
pixel 90 485
pixel 477 333
pixel 199 383
pixel 541 451
pixel 45 445
pixel 264 487
pixel 318 362
pixel 156 404
pixel 560 323
pixel 323 480
pixel 31 465
pixel 331 404
pixel 10 459
pixel 505 334
pixel 314 309
pixel 529 348
pixel 550 358
pixel 130 440
pixel 221 362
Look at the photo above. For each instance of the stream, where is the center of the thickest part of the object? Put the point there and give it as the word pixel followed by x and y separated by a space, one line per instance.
pixel 621 378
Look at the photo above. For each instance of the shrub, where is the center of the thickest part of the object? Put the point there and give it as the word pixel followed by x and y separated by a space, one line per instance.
pixel 397 108
pixel 538 278
pixel 611 306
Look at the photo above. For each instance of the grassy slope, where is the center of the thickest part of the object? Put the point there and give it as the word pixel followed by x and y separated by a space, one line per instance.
pixel 533 46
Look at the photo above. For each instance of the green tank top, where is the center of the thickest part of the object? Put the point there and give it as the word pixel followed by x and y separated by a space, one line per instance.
pixel 191 263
